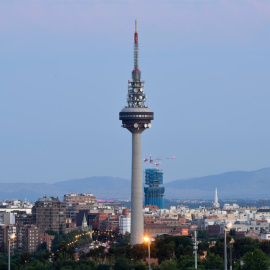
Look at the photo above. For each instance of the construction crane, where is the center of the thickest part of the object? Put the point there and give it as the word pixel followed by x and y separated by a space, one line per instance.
pixel 151 161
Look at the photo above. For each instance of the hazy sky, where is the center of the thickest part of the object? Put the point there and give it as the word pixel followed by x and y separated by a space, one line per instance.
pixel 64 67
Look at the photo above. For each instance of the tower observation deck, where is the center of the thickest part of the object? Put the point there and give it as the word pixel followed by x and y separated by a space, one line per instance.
pixel 136 117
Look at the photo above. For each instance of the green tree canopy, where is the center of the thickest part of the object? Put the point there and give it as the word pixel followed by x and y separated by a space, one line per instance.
pixel 255 260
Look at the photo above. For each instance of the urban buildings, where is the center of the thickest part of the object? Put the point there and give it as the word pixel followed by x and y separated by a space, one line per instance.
pixel 15 205
pixel 136 117
pixel 49 214
pixel 74 202
pixel 110 215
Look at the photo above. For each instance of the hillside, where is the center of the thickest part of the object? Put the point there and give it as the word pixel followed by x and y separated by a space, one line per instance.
pixel 238 184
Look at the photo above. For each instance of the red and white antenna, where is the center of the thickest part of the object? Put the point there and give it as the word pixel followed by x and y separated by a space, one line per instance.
pixel 136 49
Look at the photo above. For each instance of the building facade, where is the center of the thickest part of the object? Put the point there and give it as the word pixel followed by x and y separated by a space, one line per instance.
pixel 75 202
pixel 124 224
pixel 49 214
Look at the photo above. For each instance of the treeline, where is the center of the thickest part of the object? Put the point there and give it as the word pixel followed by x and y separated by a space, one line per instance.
pixel 167 252
pixel 79 238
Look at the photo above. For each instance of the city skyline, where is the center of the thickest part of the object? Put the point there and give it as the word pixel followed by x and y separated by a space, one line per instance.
pixel 208 84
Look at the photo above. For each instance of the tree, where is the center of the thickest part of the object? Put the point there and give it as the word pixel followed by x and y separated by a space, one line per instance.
pixel 203 246
pixel 65 252
pixel 3 262
pixel 203 235
pixel 24 258
pixel 168 265
pixel 183 246
pixel 140 266
pixel 165 248
pixel 255 260
pixel 244 245
pixel 82 255
pixel 77 265
pixel 103 267
pixel 232 233
pixel 2 247
pixel 138 252
pixel 119 251
pixel 213 261
pixel 42 246
pixel 219 247
pixel 122 263
pixel 265 246
pixel 185 262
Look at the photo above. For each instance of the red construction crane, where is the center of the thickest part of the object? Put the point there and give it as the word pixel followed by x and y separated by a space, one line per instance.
pixel 156 163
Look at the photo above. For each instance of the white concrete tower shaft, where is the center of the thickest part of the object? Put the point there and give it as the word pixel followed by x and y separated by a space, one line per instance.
pixel 137 230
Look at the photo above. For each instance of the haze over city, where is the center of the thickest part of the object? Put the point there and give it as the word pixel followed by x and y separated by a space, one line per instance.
pixel 64 69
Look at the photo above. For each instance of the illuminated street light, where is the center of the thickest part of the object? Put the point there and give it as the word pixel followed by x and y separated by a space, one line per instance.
pixel 147 239
pixel 10 237
pixel 228 226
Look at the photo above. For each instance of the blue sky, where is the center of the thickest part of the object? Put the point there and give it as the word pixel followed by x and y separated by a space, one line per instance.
pixel 64 67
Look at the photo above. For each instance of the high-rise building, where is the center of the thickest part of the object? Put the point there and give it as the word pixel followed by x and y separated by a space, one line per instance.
pixel 49 214
pixel 32 237
pixel 154 194
pixel 136 117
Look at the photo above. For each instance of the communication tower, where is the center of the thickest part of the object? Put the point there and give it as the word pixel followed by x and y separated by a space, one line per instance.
pixel 136 117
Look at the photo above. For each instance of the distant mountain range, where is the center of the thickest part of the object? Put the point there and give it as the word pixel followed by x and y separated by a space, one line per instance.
pixel 103 187
pixel 231 185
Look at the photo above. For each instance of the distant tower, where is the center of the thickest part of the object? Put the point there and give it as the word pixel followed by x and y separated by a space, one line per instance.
pixel 85 227
pixel 154 193
pixel 84 224
pixel 216 204
pixel 136 117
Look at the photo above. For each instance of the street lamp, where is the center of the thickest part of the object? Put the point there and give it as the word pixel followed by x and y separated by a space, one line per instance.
pixel 147 239
pixel 195 248
pixel 228 226
pixel 10 237
pixel 231 242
